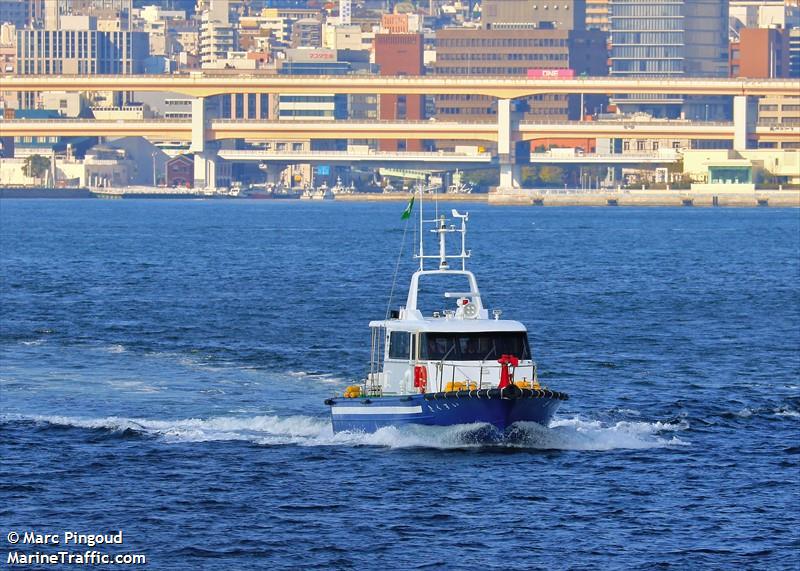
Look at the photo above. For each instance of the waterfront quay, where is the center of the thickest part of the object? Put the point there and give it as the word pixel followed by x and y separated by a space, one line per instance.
pixel 597 198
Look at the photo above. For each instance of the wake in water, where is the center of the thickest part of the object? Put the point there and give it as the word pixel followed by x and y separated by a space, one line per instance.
pixel 573 433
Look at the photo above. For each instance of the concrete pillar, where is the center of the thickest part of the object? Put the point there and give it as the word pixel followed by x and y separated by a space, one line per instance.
pixel 506 131
pixel 504 127
pixel 510 176
pixel 205 175
pixel 743 121
pixel 205 170
pixel 198 125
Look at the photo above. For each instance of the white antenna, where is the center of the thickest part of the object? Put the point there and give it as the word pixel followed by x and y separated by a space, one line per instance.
pixel 442 229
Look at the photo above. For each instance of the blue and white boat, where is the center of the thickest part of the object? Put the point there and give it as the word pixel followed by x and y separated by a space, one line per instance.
pixel 451 367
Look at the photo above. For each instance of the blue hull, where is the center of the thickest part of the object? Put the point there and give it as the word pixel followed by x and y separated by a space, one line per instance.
pixel 444 409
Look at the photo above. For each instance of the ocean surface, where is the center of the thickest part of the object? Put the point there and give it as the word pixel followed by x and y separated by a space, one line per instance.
pixel 164 366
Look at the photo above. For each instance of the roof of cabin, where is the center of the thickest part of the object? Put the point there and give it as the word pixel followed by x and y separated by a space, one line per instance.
pixel 450 325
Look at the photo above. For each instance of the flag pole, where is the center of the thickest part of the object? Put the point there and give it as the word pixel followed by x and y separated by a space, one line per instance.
pixel 421 237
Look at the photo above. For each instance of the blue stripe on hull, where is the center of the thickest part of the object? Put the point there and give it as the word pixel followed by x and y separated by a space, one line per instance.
pixel 500 413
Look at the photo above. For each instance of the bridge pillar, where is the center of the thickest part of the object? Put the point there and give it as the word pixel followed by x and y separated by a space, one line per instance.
pixel 510 176
pixel 507 129
pixel 205 159
pixel 205 170
pixel 743 122
pixel 199 120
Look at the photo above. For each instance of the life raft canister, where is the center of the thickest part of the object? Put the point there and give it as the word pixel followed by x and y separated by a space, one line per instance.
pixel 421 377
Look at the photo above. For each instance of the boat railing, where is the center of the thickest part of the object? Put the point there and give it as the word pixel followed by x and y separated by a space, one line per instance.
pixel 453 372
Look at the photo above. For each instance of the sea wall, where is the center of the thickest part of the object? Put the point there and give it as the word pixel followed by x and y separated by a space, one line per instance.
pixel 783 198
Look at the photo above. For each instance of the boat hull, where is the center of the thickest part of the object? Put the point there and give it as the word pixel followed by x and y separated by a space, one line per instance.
pixel 499 408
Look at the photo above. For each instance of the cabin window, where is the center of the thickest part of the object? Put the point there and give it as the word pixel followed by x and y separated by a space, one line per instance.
pixel 399 344
pixel 474 346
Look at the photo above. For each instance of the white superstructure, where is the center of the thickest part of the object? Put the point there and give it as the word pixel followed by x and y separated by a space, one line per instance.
pixel 458 346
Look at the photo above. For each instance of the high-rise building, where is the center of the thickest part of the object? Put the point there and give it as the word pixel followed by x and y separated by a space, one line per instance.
pixel 400 54
pixel 217 32
pixel 79 48
pixel 669 38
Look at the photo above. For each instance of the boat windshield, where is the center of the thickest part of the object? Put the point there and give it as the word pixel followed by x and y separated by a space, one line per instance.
pixel 474 346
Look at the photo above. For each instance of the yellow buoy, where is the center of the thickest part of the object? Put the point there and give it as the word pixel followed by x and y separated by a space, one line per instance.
pixel 352 392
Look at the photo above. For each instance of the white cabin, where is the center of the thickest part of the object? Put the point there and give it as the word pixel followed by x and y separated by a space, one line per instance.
pixel 455 348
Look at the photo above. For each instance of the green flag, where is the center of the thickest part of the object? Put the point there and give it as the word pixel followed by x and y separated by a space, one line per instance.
pixel 407 212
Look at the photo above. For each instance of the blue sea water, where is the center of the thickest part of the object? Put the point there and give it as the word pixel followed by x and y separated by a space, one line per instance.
pixel 164 364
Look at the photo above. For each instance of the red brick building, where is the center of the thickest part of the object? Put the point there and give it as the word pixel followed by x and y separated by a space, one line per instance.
pixel 180 171
pixel 400 54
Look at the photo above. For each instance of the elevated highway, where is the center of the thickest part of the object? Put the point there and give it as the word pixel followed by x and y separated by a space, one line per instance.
pixel 409 159
pixel 502 87
pixel 654 158
pixel 181 130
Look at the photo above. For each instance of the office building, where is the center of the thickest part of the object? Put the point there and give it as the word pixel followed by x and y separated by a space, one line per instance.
pixel 794 52
pixel 561 15
pixel 513 52
pixel 760 53
pixel 79 48
pixel 400 54
pixel 670 38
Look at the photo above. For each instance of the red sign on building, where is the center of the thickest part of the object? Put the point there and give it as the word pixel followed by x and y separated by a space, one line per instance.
pixel 551 73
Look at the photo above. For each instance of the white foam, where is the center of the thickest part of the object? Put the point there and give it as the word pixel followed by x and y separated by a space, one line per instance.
pixel 116 348
pixel 134 386
pixel 564 434
pixel 326 378
pixel 577 433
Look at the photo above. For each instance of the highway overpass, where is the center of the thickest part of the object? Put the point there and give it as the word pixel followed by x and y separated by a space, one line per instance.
pixel 407 159
pixel 502 87
pixel 181 130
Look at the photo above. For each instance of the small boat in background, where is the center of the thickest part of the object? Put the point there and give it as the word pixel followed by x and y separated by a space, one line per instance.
pixel 323 192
